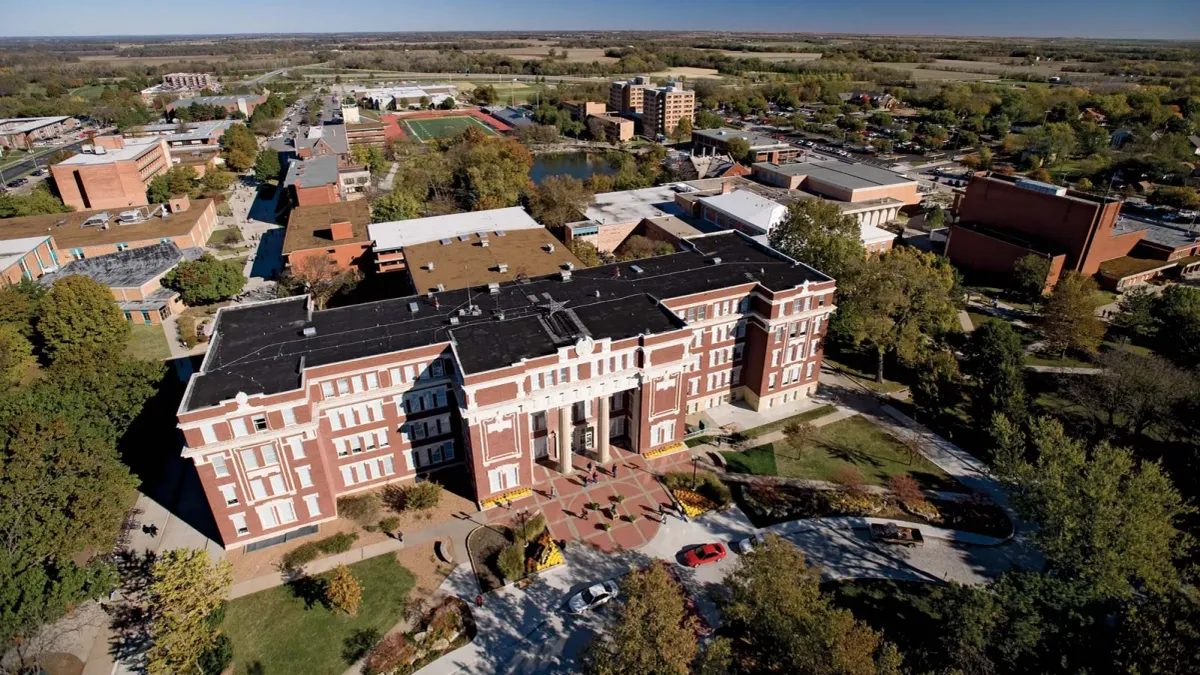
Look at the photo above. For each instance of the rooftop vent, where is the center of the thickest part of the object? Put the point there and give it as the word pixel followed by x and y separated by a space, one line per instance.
pixel 413 307
pixel 429 265
pixel 500 233
pixel 441 287
pixel 445 242
pixel 499 316
pixel 715 260
pixel 636 269
pixel 549 248
pixel 454 321
pixel 464 237
pixel 566 275
pixel 483 243
pixel 503 267
pixel 493 288
pixel 309 331
pixel 569 265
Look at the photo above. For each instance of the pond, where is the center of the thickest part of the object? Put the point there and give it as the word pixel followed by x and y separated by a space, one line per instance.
pixel 576 164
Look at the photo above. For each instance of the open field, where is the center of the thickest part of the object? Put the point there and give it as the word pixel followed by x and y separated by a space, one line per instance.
pixel 769 56
pixel 154 60
pixel 579 55
pixel 443 127
pixel 688 72
pixel 90 91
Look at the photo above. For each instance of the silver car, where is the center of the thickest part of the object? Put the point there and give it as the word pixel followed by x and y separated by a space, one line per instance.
pixel 748 544
pixel 592 597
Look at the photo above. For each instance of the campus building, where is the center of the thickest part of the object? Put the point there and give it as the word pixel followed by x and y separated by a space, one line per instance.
pixel 187 134
pixel 134 276
pixel 664 107
pixel 336 231
pixel 20 133
pixel 189 81
pixel 628 96
pixel 616 129
pixel 86 234
pixel 762 148
pixel 114 174
pixel 313 181
pixel 27 258
pixel 485 258
pixel 293 408
pixel 244 104
pixel 1004 218
pixel 392 240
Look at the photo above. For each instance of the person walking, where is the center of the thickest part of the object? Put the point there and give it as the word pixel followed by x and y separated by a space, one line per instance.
pixel 614 471
pixel 595 478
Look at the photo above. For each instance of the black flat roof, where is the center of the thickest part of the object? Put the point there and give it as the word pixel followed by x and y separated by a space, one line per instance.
pixel 259 348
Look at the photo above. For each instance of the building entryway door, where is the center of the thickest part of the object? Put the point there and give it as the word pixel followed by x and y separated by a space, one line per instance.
pixel 616 427
pixel 541 448
pixel 583 439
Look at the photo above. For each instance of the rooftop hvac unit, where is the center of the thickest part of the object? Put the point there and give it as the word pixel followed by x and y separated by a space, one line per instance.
pixel 445 242
pixel 454 321
pixel 441 287
pixel 98 219
pixel 483 243
pixel 715 260
pixel 499 316
pixel 570 265
pixel 503 267
pixel 549 248
pixel 566 275
pixel 500 233
pixel 413 307
pixel 464 237
pixel 309 331
pixel 493 288
pixel 429 265
pixel 636 269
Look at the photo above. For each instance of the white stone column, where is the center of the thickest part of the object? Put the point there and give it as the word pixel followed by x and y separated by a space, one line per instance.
pixel 602 429
pixel 566 465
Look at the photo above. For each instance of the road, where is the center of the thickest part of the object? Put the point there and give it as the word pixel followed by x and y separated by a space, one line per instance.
pixel 33 162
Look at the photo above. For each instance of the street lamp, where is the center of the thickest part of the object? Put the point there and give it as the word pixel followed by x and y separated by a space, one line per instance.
pixel 695 461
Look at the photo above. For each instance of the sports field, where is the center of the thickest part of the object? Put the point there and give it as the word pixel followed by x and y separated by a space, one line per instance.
pixel 431 129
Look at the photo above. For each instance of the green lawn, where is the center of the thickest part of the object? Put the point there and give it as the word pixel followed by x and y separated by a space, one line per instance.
pixel 275 632
pixel 867 379
pixel 90 91
pixel 426 130
pixel 806 416
pixel 854 441
pixel 148 342
pixel 218 236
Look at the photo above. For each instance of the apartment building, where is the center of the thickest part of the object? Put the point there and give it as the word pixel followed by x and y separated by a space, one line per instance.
pixel 189 81
pixel 27 258
pixel 664 107
pixel 20 133
pixel 581 110
pixel 616 129
pixel 293 408
pixel 629 96
pixel 115 174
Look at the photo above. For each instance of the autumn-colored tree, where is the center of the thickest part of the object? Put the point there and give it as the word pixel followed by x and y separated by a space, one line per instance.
pixel 652 633
pixel 905 488
pixel 344 593
pixel 1069 315
pixel 187 587
pixel 559 200
pixel 320 277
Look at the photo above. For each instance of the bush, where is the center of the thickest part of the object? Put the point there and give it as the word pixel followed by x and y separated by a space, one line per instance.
pixel 217 658
pixel 395 650
pixel 511 561
pixel 310 551
pixel 344 592
pixel 707 484
pixel 905 489
pixel 422 496
pixel 362 509
pixel 533 527
pixel 851 480
pixel 389 524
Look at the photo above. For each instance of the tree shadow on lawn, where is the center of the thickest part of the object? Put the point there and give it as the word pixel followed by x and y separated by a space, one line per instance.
pixel 312 590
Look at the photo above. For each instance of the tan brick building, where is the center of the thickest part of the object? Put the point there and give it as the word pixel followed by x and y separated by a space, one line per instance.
pixel 628 96
pixel 663 107
pixel 616 129
pixel 27 258
pixel 293 407
pixel 114 175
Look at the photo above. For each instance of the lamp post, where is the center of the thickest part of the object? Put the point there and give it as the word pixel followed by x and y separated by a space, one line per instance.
pixel 695 461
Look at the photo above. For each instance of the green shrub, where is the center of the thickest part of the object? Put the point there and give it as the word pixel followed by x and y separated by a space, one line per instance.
pixel 422 496
pixel 389 524
pixel 532 529
pixel 512 561
pixel 338 543
pixel 217 658
pixel 362 509
pixel 310 551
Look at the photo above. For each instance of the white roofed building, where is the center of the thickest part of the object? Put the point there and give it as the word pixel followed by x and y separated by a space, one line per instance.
pixel 389 239
pixel 743 210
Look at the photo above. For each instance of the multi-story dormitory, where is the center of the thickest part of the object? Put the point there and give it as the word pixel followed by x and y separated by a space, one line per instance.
pixel 293 407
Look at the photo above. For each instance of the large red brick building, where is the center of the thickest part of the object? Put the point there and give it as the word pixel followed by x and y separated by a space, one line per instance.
pixel 294 407
pixel 115 174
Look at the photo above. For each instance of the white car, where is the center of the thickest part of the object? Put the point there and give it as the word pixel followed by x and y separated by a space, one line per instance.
pixel 592 597
pixel 748 544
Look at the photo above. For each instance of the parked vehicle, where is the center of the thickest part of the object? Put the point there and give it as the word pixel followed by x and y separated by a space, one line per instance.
pixel 592 597
pixel 744 546
pixel 891 533
pixel 704 554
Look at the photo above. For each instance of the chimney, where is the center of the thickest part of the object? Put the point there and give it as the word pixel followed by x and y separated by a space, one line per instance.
pixel 179 203
pixel 726 187
pixel 342 230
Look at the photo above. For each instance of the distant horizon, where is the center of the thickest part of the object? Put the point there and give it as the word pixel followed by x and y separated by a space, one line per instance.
pixel 1164 20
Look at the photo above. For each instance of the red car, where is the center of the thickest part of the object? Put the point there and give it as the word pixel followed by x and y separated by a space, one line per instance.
pixel 704 554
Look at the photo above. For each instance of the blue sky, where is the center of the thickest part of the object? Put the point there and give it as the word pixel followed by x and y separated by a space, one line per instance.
pixel 1165 19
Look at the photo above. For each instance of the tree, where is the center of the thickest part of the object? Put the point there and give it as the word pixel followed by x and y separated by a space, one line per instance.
pixel 1135 311
pixel 39 201
pixel 935 217
pixel 320 277
pixel 1030 274
pixel 1175 197
pixel 1177 315
pixel 986 157
pixel 396 205
pixel 706 119
pixel 487 172
pixel 216 180
pixel 447 103
pixel 939 382
pixel 637 247
pixel 186 588
pixel 1041 174
pixel 16 355
pixel 559 200
pixel 1103 518
pixel 683 130
pixel 898 302
pixel 651 634
pixel 205 280
pixel 1159 636
pixel 1052 142
pixel 1084 185
pixel 779 621
pixel 596 129
pixel 266 165
pixel 182 180
pixel 484 95
pixel 239 147
pixel 739 149
pixel 586 252
pixel 344 593
pixel 81 313
pixel 1069 315
pixel 995 360
pixel 818 234
pixel 1132 391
